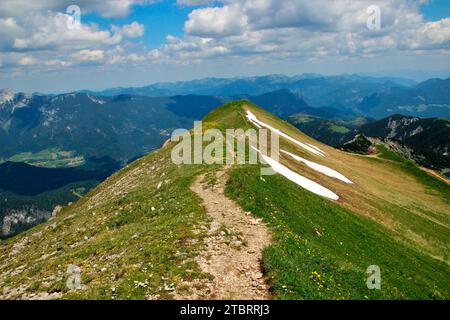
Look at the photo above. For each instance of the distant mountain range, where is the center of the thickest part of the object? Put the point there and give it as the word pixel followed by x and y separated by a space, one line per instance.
pixel 375 97
pixel 427 99
pixel 284 103
pixel 344 91
pixel 247 85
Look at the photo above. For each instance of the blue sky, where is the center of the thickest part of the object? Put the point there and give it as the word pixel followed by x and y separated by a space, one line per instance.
pixel 160 19
pixel 137 42
pixel 435 10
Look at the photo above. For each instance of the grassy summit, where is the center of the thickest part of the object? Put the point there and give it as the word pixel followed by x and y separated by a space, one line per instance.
pixel 136 235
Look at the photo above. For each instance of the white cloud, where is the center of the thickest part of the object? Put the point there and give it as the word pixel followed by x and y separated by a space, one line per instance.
pixel 9 30
pixel 132 30
pixel 264 33
pixel 105 8
pixel 53 32
pixel 219 21
pixel 302 29
pixel 431 35
pixel 88 56
pixel 32 34
pixel 11 59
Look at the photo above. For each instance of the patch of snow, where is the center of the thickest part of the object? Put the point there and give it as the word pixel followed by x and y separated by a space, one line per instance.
pixel 96 100
pixel 421 98
pixel 313 149
pixel 257 125
pixel 5 96
pixel 303 182
pixel 417 130
pixel 50 116
pixel 313 146
pixel 19 105
pixel 320 168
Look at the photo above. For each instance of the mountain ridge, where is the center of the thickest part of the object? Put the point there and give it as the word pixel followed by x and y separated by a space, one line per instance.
pixel 135 236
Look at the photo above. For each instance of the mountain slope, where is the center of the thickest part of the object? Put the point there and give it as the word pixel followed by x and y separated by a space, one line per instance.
pixel 427 139
pixel 120 127
pixel 431 133
pixel 69 130
pixel 427 99
pixel 331 132
pixel 137 234
pixel 28 194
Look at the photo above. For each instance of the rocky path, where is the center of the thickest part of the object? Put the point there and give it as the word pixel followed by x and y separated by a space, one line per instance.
pixel 233 249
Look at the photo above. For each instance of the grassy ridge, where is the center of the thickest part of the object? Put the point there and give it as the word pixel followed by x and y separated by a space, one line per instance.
pixel 136 234
pixel 322 250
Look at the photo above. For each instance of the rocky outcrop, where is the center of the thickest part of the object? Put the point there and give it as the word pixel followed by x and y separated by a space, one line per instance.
pixel 15 221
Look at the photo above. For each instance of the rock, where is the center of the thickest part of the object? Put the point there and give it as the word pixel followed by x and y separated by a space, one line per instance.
pixel 56 211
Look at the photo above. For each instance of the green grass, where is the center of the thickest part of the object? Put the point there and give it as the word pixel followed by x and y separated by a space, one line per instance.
pixel 339 129
pixel 131 239
pixel 315 237
pixel 50 158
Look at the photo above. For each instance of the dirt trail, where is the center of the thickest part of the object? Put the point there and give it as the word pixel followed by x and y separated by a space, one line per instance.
pixel 233 249
pixel 436 174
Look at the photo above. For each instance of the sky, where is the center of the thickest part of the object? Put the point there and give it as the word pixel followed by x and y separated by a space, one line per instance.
pixel 44 47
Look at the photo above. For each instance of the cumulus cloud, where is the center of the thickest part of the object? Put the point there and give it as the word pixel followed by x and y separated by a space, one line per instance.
pixel 9 31
pixel 53 32
pixel 218 21
pixel 36 33
pixel 132 30
pixel 302 29
pixel 431 35
pixel 105 8
pixel 16 59
pixel 89 56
